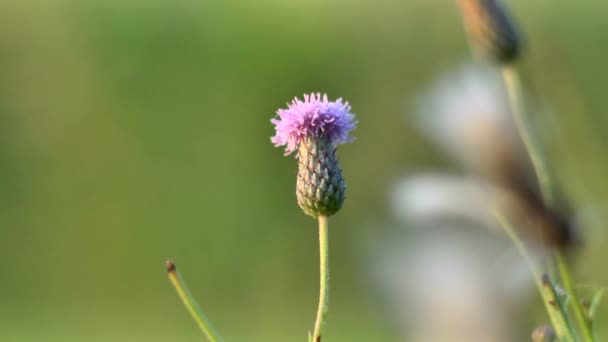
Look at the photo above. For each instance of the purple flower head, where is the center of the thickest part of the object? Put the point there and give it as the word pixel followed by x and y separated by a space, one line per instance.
pixel 315 117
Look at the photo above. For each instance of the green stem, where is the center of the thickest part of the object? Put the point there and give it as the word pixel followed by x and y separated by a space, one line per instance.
pixel 514 90
pixel 557 304
pixel 184 294
pixel 516 98
pixel 583 322
pixel 552 304
pixel 324 279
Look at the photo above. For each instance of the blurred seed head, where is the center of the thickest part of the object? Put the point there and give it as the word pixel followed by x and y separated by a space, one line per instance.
pixel 446 286
pixel 544 333
pixel 467 116
pixel 434 199
pixel 550 226
pixel 492 33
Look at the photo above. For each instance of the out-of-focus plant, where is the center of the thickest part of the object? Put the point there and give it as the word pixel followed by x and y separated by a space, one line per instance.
pixel 467 115
pixel 494 38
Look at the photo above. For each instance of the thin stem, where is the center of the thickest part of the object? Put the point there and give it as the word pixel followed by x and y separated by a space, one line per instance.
pixel 324 279
pixel 552 304
pixel 184 294
pixel 579 312
pixel 514 89
pixel 557 304
pixel 516 98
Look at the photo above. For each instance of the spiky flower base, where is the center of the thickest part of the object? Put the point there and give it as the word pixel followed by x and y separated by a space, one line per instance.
pixel 320 188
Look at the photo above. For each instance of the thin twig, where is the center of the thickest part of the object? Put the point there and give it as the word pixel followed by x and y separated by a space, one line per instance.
pixel 195 311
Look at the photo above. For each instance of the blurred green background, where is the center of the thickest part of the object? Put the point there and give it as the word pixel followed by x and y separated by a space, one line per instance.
pixel 135 131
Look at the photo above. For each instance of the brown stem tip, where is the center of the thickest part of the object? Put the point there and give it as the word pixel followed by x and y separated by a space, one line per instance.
pixel 170 266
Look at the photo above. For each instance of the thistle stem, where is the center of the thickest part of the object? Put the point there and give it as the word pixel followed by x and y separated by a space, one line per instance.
pixel 324 279
pixel 184 294
pixel 556 313
pixel 579 312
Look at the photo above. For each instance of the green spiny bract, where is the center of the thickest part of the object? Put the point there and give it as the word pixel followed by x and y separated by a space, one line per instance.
pixel 320 188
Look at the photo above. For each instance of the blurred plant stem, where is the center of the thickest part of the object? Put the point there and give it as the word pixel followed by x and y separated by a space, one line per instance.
pixel 516 99
pixel 556 313
pixel 324 279
pixel 518 108
pixel 195 311
pixel 579 312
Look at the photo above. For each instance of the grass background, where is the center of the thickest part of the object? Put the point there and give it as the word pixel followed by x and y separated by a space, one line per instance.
pixel 133 131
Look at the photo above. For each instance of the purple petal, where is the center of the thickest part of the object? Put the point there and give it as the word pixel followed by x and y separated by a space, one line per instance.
pixel 315 117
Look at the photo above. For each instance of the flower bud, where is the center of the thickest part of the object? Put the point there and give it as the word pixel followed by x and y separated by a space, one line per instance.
pixel 492 33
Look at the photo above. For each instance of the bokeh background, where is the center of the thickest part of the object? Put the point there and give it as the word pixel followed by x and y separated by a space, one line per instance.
pixel 136 131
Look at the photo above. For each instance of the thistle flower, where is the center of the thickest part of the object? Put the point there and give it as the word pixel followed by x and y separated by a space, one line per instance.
pixel 492 33
pixel 315 127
